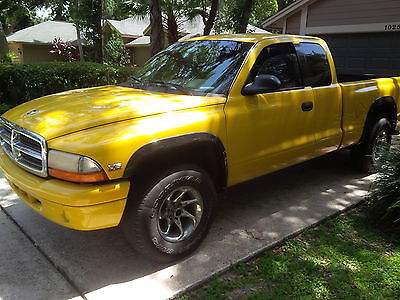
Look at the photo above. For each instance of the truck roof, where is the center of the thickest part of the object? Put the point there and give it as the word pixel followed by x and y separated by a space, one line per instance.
pixel 252 37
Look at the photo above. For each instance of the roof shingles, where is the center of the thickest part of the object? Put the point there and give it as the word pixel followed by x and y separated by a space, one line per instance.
pixel 45 33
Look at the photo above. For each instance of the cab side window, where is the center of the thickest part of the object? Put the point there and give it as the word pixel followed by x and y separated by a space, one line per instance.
pixel 281 61
pixel 314 64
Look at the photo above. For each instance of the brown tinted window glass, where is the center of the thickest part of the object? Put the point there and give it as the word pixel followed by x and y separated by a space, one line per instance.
pixel 314 65
pixel 279 60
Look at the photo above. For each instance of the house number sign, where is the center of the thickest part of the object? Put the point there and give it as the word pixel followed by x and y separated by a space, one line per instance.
pixel 392 27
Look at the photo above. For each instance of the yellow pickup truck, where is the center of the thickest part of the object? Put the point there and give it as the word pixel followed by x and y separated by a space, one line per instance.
pixel 153 154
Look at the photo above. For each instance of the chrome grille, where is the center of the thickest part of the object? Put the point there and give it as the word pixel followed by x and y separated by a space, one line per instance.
pixel 26 148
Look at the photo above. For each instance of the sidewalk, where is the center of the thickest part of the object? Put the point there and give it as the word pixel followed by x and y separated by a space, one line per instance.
pixel 101 265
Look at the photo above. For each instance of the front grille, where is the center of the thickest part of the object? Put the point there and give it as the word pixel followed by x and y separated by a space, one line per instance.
pixel 26 148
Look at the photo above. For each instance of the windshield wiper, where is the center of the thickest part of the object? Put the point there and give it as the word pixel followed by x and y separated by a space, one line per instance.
pixel 136 79
pixel 170 85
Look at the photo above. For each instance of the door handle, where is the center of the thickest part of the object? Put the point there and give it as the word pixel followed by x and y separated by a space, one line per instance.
pixel 307 106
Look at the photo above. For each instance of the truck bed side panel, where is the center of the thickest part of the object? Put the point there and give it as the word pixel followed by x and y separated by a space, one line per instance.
pixel 357 99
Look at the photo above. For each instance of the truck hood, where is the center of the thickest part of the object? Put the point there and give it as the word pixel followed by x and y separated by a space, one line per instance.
pixel 63 113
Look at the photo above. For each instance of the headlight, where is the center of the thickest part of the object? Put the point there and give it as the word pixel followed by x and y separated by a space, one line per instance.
pixel 73 167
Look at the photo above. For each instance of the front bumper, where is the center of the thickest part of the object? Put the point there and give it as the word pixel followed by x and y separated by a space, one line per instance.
pixel 77 206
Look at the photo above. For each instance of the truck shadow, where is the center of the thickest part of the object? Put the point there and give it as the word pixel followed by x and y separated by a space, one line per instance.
pixel 251 217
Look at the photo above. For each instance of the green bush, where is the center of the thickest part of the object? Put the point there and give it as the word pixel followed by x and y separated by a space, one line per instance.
pixel 21 83
pixel 385 193
pixel 9 57
pixel 4 107
pixel 115 52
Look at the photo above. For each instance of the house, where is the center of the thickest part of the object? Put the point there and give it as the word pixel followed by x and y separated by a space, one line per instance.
pixel 33 44
pixel 130 28
pixel 132 31
pixel 363 35
pixel 140 47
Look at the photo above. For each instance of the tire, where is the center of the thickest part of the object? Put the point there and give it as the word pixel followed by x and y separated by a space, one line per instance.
pixel 160 228
pixel 367 155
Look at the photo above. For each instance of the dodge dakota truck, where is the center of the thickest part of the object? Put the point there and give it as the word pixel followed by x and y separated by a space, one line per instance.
pixel 154 153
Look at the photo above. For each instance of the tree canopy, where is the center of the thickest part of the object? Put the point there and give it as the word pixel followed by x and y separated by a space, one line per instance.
pixel 88 15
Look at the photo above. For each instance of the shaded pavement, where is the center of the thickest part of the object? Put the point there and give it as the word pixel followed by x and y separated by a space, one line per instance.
pixel 42 260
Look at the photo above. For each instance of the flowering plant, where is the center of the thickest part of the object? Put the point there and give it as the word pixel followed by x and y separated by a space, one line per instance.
pixel 68 52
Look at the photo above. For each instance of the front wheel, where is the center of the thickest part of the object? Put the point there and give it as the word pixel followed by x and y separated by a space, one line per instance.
pixel 368 155
pixel 167 219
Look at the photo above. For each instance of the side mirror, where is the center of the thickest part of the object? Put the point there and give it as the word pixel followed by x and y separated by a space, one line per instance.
pixel 262 84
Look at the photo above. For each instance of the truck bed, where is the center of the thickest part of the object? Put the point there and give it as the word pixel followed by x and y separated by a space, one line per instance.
pixel 359 92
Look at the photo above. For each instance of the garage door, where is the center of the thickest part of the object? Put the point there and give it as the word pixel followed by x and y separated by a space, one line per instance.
pixel 366 53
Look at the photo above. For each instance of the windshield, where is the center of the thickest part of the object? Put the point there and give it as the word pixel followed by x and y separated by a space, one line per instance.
pixel 195 67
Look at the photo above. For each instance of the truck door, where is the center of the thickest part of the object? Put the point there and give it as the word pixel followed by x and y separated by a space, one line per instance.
pixel 317 74
pixel 269 131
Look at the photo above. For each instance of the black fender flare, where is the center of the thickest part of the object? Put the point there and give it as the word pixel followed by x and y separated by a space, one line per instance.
pixel 381 106
pixel 176 144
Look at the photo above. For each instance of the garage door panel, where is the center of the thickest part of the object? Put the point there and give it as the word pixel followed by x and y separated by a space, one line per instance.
pixel 363 53
pixel 396 63
pixel 357 63
pixel 359 42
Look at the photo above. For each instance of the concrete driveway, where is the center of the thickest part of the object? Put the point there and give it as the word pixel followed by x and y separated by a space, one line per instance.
pixel 41 260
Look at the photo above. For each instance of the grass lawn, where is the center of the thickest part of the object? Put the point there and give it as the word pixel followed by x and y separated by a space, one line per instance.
pixel 341 258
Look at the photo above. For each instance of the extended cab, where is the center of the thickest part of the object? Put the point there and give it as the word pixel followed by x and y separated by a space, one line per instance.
pixel 202 115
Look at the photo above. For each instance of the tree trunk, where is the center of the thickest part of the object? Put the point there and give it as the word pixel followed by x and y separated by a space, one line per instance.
pixel 283 3
pixel 245 16
pixel 80 48
pixel 78 35
pixel 97 14
pixel 156 36
pixel 211 17
pixel 172 26
pixel 3 41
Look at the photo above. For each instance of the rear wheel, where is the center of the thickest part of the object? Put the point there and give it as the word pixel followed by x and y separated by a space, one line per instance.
pixel 368 155
pixel 168 218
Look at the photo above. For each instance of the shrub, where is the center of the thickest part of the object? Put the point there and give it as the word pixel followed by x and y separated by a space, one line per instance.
pixel 9 57
pixel 385 192
pixel 4 107
pixel 21 83
pixel 115 52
